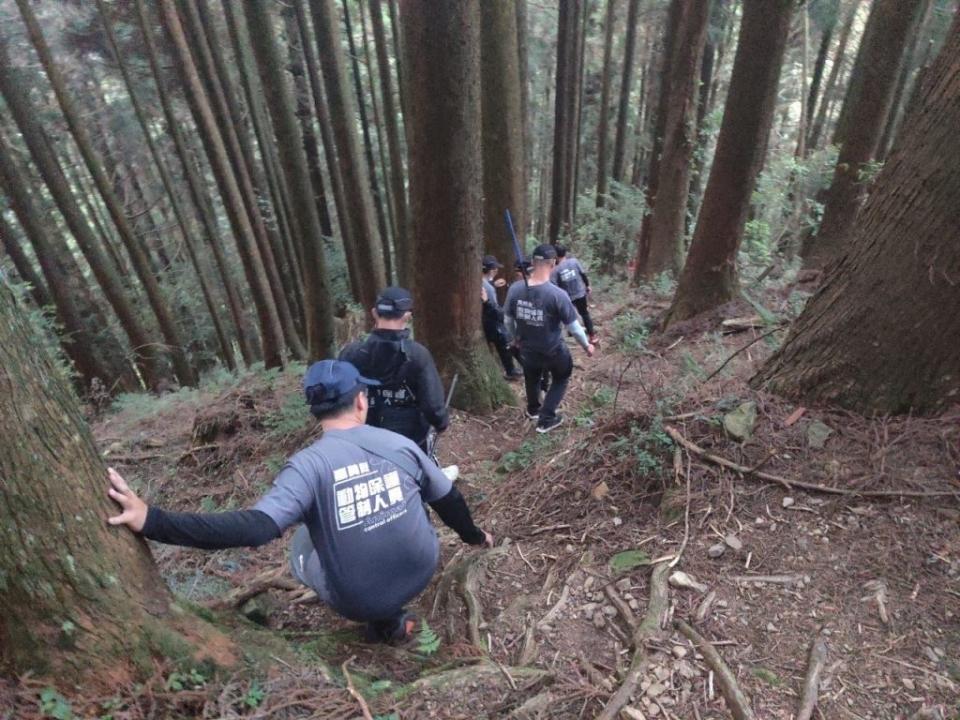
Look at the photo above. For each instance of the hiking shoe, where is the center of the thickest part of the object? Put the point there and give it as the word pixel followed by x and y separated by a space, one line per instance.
pixel 514 376
pixel 533 415
pixel 393 631
pixel 545 426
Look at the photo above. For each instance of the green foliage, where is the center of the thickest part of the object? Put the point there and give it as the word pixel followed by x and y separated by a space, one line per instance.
pixel 607 235
pixel 628 560
pixel 254 695
pixel 603 396
pixel 692 367
pixel 291 417
pixel 192 679
pixel 868 172
pixel 526 454
pixel 428 642
pixel 642 446
pixel 768 676
pixel 54 705
pixel 630 331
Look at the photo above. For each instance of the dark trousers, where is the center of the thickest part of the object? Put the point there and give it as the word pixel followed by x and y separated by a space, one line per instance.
pixel 494 333
pixel 581 305
pixel 559 365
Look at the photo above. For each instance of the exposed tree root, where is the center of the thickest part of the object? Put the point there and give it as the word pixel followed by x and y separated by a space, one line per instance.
pixel 467 576
pixel 648 627
pixel 790 484
pixel 738 703
pixel 364 708
pixel 811 685
pixel 534 706
pixel 476 673
pixel 276 578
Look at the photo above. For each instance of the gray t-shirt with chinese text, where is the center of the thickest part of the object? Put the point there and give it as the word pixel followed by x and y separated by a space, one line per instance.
pixel 540 312
pixel 365 516
pixel 568 275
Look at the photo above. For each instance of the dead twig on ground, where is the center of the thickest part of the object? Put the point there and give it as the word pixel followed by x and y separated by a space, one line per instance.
pixel 811 685
pixel 649 627
pixel 364 708
pixel 757 339
pixel 737 701
pixel 619 603
pixel 792 484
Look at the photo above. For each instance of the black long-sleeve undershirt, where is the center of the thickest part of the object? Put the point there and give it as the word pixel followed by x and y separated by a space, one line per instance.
pixel 252 528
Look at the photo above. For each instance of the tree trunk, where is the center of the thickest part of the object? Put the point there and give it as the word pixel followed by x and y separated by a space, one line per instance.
pixel 442 59
pixel 319 309
pixel 270 330
pixel 679 137
pixel 226 347
pixel 366 255
pixel 27 118
pixel 79 600
pixel 626 85
pixel 603 130
pixel 141 265
pixel 564 121
pixel 502 136
pixel 578 112
pixel 398 193
pixel 197 190
pixel 829 91
pixel 801 151
pixel 880 333
pixel 861 124
pixel 818 66
pixel 709 277
pixel 23 265
pixel 525 124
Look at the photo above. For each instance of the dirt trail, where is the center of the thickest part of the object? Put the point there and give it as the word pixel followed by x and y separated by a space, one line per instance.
pixel 541 626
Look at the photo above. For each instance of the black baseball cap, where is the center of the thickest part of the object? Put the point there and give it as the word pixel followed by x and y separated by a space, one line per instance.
pixel 393 302
pixel 561 251
pixel 546 251
pixel 327 381
pixel 490 262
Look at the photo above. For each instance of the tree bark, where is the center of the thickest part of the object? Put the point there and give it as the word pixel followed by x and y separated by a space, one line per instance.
pixel 861 122
pixel 578 112
pixel 626 86
pixel 398 193
pixel 603 130
pixel 679 137
pixel 502 135
pixel 365 255
pixel 271 334
pixel 158 302
pixel 818 67
pixel 442 59
pixel 880 333
pixel 709 277
pixel 23 265
pixel 79 601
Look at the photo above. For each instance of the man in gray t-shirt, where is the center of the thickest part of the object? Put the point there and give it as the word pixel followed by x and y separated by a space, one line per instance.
pixel 492 317
pixel 536 312
pixel 570 276
pixel 366 545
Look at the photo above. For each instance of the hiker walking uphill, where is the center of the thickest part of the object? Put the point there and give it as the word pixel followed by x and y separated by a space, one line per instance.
pixel 492 317
pixel 366 546
pixel 570 277
pixel 535 312
pixel 409 398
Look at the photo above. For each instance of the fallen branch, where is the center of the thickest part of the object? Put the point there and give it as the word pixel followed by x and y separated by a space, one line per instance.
pixel 771 579
pixel 558 606
pixel 792 484
pixel 757 339
pixel 364 708
pixel 811 685
pixel 276 578
pixel 649 626
pixel 474 674
pixel 622 606
pixel 738 703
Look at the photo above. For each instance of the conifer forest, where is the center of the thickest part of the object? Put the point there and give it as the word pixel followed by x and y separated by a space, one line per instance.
pixel 396 359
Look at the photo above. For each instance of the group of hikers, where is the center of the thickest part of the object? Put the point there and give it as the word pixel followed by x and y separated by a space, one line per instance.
pixel 365 543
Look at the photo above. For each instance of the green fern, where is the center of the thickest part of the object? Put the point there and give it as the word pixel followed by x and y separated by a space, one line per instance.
pixel 428 642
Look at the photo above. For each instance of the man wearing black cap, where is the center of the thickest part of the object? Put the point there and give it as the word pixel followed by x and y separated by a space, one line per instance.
pixel 492 317
pixel 409 399
pixel 570 277
pixel 366 545
pixel 535 313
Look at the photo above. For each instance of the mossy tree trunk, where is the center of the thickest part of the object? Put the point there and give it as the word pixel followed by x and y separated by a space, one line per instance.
pixel 441 41
pixel 881 332
pixel 78 599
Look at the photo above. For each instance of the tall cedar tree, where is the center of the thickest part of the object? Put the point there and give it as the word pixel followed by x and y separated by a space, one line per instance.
pixel 880 335
pixel 363 252
pixel 138 256
pixel 502 136
pixel 398 190
pixel 271 334
pixel 144 343
pixel 861 122
pixel 828 11
pixel 319 309
pixel 603 121
pixel 79 600
pixel 830 89
pixel 709 277
pixel 626 87
pixel 689 22
pixel 564 140
pixel 22 264
pixel 226 346
pixel 441 42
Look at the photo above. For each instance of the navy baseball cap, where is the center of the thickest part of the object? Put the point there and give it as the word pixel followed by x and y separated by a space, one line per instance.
pixel 393 302
pixel 490 262
pixel 546 251
pixel 327 381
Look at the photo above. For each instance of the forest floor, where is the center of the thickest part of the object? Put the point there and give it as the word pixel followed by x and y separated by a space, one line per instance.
pixel 581 516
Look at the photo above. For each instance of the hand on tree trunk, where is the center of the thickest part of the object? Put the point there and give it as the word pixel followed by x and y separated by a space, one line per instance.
pixel 134 513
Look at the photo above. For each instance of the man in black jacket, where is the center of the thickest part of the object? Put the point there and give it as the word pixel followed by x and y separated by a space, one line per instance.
pixel 366 545
pixel 409 399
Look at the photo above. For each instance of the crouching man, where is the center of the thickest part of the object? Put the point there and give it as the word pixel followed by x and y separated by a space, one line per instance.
pixel 366 545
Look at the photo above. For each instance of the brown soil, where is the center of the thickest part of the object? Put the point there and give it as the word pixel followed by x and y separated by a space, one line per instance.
pixel 878 577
